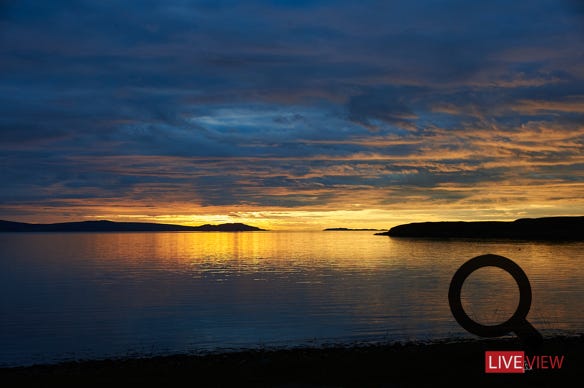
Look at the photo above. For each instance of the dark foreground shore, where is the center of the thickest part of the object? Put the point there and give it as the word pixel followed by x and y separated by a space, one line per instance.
pixel 394 365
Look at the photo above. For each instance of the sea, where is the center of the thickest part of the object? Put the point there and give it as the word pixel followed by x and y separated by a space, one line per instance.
pixel 84 296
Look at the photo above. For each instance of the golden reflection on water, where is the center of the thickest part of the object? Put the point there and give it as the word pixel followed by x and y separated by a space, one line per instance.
pixel 220 289
pixel 553 269
pixel 260 248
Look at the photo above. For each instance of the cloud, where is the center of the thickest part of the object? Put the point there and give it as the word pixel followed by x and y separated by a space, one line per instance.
pixel 386 106
pixel 214 106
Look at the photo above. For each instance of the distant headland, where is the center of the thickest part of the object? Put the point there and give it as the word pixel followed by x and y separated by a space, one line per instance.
pixel 546 228
pixel 111 226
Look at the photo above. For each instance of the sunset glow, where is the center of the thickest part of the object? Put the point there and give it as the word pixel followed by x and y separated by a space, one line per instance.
pixel 291 115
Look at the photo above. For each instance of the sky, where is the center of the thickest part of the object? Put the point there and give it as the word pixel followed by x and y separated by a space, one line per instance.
pixel 291 114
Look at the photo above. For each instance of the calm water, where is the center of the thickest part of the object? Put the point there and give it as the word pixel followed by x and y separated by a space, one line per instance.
pixel 95 295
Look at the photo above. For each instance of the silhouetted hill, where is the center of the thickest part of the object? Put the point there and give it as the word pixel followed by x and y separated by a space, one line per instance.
pixel 110 226
pixel 547 228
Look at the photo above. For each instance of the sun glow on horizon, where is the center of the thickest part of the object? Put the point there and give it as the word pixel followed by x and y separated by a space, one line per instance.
pixel 292 219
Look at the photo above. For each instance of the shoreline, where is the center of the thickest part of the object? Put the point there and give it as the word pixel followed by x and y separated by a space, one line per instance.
pixel 456 362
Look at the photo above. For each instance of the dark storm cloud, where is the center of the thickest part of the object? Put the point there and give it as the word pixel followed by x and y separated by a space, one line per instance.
pixel 220 100
pixel 389 107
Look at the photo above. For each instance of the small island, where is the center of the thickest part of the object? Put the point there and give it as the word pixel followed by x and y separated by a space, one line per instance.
pixel 111 226
pixel 349 230
pixel 546 228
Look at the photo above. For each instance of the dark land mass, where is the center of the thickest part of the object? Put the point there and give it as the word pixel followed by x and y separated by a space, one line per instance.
pixel 547 228
pixel 110 226
pixel 450 364
pixel 347 229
